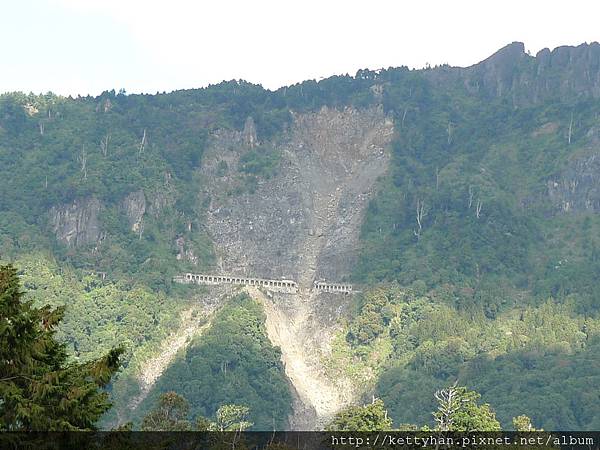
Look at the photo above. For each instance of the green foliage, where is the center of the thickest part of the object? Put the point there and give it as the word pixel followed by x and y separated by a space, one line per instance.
pixel 231 418
pixel 458 411
pixel 99 314
pixel 203 424
pixel 375 314
pixel 552 387
pixel 479 169
pixel 40 389
pixel 170 414
pixel 261 161
pixel 42 167
pixel 372 417
pixel 172 411
pixel 498 282
pixel 523 423
pixel 426 342
pixel 232 363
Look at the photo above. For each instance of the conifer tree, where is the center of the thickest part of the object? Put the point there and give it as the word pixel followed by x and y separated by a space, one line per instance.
pixel 40 389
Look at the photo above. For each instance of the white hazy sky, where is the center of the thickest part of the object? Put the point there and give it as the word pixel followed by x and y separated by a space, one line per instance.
pixel 82 47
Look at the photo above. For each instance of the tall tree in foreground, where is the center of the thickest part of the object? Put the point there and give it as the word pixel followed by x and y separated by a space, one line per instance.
pixel 372 417
pixel 172 411
pixel 231 418
pixel 523 423
pixel 458 411
pixel 39 388
pixel 170 414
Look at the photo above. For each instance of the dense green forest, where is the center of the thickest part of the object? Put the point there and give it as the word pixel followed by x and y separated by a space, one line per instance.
pixel 532 359
pixel 233 362
pixel 479 254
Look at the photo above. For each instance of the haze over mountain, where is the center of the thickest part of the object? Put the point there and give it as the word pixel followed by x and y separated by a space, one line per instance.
pixel 462 204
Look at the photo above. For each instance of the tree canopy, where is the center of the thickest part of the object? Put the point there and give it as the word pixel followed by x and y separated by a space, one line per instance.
pixel 371 417
pixel 458 410
pixel 40 389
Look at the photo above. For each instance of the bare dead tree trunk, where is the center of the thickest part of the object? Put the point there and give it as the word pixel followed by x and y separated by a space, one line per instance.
pixel 82 158
pixel 470 196
pixel 104 144
pixel 449 403
pixel 142 143
pixel 570 128
pixel 421 213
pixel 449 132
pixel 437 178
pixel 478 208
pixel 41 125
pixel 403 117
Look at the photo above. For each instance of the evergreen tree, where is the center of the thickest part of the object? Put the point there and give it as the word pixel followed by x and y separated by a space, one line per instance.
pixel 39 388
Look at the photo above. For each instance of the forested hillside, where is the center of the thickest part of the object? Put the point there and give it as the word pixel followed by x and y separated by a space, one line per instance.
pixel 232 363
pixel 478 257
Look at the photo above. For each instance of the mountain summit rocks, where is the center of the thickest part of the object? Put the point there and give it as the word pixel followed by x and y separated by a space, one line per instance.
pixel 566 73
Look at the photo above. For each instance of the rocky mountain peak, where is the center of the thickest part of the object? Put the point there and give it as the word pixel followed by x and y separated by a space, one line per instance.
pixel 508 55
pixel 566 73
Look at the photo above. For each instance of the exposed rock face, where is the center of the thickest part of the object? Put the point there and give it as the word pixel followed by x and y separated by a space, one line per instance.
pixel 249 133
pixel 135 208
pixel 579 67
pixel 77 223
pixel 565 73
pixel 577 188
pixel 499 73
pixel 303 224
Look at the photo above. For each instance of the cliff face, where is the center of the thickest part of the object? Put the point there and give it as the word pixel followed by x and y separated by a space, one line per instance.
pixel 77 223
pixel 134 206
pixel 303 223
pixel 565 73
pixel 577 188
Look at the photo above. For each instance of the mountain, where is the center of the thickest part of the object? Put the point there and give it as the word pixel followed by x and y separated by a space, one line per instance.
pixel 461 204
